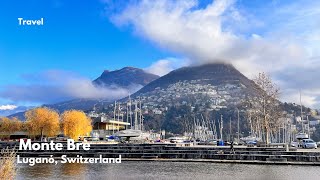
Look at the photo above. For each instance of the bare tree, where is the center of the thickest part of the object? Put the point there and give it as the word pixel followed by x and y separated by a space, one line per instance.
pixel 264 110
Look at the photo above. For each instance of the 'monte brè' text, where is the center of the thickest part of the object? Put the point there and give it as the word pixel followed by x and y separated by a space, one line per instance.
pixel 52 146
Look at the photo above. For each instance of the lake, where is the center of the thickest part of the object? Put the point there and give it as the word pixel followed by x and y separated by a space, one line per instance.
pixel 166 170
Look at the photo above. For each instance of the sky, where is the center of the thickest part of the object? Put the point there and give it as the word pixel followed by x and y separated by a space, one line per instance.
pixel 81 39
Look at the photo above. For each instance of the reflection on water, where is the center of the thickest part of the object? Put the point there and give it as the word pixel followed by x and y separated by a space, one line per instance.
pixel 71 170
pixel 166 170
pixel 38 171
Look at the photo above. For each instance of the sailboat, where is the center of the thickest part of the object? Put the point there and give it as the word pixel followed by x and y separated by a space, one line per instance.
pixel 136 130
pixel 302 135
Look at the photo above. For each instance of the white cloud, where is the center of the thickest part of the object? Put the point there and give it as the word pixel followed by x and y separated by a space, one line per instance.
pixel 8 107
pixel 308 99
pixel 56 86
pixel 206 34
pixel 164 66
pixel 223 31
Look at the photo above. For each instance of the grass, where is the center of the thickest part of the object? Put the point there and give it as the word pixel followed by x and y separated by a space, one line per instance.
pixel 7 164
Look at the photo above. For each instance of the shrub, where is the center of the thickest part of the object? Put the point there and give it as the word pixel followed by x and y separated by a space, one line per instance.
pixel 7 164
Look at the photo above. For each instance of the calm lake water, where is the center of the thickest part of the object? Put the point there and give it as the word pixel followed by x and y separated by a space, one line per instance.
pixel 166 170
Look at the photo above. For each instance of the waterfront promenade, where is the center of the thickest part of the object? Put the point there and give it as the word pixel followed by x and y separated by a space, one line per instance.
pixel 187 152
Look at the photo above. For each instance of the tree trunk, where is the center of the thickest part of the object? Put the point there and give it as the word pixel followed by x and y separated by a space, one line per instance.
pixel 267 135
pixel 41 134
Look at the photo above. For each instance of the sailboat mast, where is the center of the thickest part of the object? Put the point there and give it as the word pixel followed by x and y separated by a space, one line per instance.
pixel 251 128
pixel 194 127
pixel 130 112
pixel 238 126
pixel 118 118
pixel 140 110
pixel 127 111
pixel 221 126
pixel 114 115
pixel 302 124
pixel 215 128
pixel 308 126
pixel 114 110
pixel 230 130
pixel 136 115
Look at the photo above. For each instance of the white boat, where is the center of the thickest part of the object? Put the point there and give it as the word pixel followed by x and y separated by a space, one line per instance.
pixel 302 136
pixel 143 136
pixel 133 135
pixel 129 133
pixel 177 139
pixel 250 139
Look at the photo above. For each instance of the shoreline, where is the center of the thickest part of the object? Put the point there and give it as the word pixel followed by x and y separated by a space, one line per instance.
pixel 254 162
pixel 226 161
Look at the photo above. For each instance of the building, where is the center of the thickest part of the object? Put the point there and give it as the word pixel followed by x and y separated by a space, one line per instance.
pixel 104 126
pixel 315 122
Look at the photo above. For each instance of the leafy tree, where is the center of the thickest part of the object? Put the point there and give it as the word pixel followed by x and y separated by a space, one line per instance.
pixel 75 123
pixel 8 126
pixel 42 121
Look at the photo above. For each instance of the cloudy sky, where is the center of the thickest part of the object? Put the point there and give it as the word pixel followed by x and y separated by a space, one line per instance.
pixel 82 38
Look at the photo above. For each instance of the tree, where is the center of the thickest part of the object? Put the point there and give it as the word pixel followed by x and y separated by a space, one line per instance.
pixel 75 123
pixel 264 110
pixel 8 126
pixel 42 121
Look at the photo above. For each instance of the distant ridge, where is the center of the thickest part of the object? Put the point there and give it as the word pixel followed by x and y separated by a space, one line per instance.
pixel 125 77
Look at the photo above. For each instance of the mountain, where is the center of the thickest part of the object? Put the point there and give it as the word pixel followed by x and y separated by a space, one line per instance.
pixel 183 97
pixel 208 74
pixel 125 77
pixel 7 112
pixel 82 104
pixel 211 89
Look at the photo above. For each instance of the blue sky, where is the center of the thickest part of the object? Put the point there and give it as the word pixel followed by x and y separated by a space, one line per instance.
pixel 80 39
pixel 77 36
